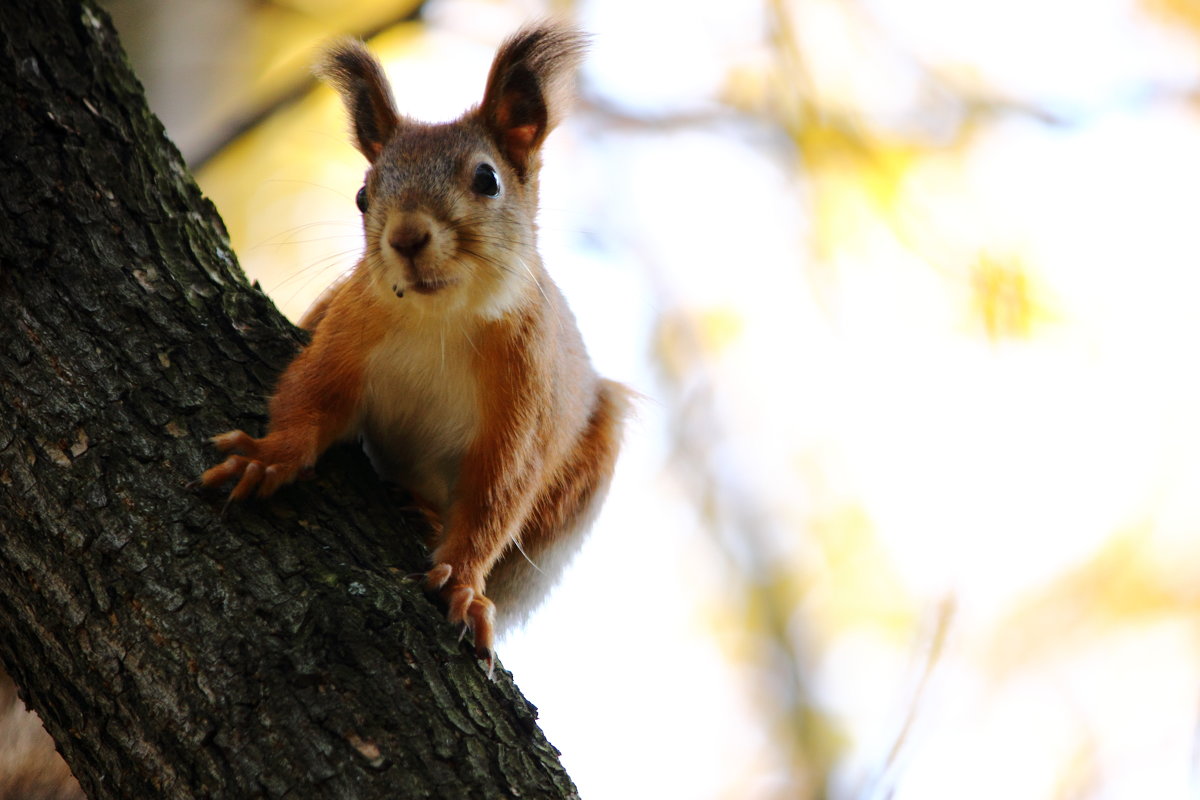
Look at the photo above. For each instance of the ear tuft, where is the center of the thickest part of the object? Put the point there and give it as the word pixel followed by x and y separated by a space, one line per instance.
pixel 358 77
pixel 529 88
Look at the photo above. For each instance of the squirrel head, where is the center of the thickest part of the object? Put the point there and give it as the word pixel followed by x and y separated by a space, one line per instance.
pixel 449 209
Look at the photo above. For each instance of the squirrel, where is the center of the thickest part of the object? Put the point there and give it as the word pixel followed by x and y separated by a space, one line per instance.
pixel 448 349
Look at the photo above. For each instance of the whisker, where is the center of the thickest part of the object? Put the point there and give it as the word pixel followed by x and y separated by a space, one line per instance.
pixel 315 240
pixel 470 341
pixel 298 182
pixel 317 267
pixel 533 278
pixel 312 273
pixel 282 237
pixel 521 550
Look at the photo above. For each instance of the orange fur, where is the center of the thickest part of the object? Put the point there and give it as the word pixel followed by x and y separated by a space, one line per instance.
pixel 449 349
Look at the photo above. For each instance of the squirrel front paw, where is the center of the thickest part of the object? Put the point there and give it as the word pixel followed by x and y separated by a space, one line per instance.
pixel 260 466
pixel 468 606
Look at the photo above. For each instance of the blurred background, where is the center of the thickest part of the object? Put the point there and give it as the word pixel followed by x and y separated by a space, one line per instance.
pixel 912 290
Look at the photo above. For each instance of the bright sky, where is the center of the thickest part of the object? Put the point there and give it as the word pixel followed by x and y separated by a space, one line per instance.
pixel 859 385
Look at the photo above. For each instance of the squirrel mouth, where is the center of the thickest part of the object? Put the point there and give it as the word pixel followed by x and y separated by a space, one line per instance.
pixel 428 285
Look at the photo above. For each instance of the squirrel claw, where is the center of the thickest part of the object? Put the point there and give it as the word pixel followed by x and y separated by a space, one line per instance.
pixel 437 577
pixel 469 607
pixel 489 658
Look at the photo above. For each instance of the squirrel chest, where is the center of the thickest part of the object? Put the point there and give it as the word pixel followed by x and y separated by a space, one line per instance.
pixel 420 406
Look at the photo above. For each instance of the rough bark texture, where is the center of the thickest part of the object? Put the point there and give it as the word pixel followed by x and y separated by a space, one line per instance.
pixel 171 649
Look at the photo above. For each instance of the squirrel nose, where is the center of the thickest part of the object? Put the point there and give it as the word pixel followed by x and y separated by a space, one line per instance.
pixel 409 239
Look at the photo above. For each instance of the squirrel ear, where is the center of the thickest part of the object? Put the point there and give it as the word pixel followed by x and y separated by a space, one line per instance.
pixel 529 87
pixel 358 78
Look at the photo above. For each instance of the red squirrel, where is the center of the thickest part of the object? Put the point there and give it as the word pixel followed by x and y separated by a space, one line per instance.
pixel 448 349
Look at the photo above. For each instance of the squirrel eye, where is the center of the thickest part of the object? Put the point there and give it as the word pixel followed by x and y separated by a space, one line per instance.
pixel 485 182
pixel 360 199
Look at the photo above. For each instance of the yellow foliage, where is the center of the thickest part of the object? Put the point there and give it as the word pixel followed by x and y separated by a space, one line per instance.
pixel 1184 11
pixel 844 151
pixel 861 588
pixel 1120 586
pixel 688 339
pixel 1006 299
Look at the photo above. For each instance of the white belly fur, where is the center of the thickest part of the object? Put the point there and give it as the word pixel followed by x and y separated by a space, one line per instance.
pixel 420 410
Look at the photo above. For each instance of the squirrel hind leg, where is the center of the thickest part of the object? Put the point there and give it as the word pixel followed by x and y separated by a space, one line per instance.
pixel 562 516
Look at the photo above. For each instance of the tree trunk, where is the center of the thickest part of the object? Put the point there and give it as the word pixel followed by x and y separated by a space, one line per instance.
pixel 173 647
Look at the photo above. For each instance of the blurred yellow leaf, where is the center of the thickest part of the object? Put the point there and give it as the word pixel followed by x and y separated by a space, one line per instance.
pixel 863 589
pixel 1006 299
pixel 1185 11
pixel 689 337
pixel 1120 586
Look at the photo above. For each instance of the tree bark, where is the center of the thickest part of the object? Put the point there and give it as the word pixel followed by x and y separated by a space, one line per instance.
pixel 173 647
